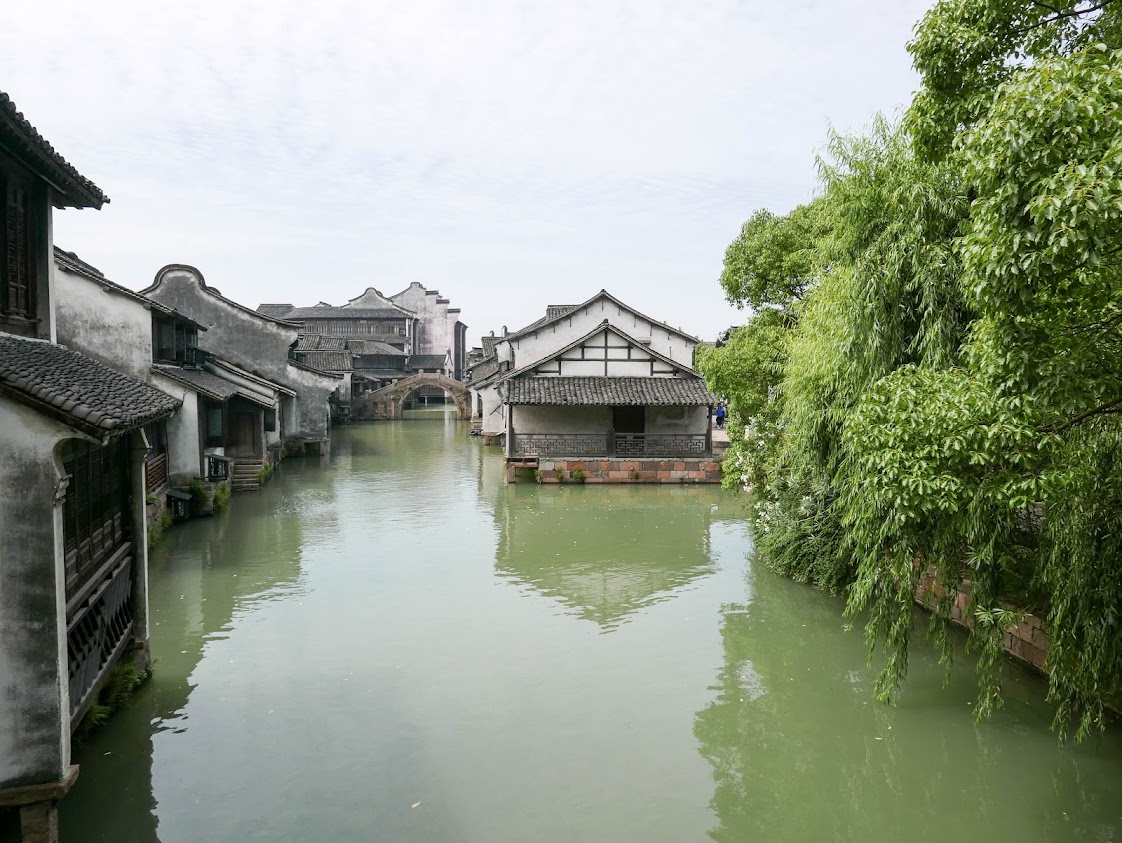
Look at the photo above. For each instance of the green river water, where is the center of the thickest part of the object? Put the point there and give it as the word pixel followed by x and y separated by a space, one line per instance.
pixel 393 644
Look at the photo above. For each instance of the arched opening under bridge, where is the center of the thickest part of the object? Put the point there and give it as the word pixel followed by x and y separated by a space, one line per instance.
pixel 386 403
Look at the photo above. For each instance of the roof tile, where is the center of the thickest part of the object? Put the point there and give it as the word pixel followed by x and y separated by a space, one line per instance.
pixel 82 388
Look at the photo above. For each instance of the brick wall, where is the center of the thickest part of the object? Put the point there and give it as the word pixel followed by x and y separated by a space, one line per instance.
pixel 629 471
pixel 1027 642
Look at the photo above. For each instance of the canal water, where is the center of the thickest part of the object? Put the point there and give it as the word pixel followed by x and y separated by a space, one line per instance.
pixel 393 644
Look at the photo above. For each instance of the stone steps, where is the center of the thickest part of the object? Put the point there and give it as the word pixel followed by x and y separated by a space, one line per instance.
pixel 243 476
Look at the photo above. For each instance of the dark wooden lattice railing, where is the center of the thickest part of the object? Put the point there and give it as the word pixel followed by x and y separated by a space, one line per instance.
pixel 99 625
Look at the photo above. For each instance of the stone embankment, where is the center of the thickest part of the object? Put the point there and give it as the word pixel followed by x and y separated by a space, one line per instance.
pixel 705 470
pixel 1027 641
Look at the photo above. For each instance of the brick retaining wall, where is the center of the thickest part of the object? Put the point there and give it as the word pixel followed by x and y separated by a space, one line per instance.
pixel 629 471
pixel 1027 642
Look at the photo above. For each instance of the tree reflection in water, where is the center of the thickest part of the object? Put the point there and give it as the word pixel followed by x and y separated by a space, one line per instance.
pixel 800 750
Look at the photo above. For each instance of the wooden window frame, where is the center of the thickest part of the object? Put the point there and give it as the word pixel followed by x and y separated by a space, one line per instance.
pixel 21 230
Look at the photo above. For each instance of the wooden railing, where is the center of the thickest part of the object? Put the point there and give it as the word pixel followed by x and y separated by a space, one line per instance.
pixel 610 444
pixel 155 472
pixel 99 625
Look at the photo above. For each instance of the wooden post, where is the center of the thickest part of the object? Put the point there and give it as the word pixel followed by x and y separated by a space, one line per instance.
pixel 509 429
pixel 611 441
pixel 709 433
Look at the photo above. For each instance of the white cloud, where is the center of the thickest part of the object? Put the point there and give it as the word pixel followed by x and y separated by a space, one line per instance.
pixel 507 153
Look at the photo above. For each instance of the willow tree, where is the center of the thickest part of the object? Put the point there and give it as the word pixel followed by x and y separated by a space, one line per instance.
pixel 952 390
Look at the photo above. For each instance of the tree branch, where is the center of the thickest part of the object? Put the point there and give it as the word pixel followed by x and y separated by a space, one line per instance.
pixel 1074 13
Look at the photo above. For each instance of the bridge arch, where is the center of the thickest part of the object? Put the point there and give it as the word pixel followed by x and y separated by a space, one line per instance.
pixel 385 403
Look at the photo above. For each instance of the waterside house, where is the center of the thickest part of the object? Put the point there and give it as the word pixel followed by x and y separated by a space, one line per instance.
pixel 73 555
pixel 260 351
pixel 380 339
pixel 601 389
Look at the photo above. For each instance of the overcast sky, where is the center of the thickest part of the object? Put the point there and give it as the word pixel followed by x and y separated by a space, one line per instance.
pixel 509 154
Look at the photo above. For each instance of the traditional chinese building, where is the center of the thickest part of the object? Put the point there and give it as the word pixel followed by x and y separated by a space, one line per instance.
pixel 73 554
pixel 262 350
pixel 380 339
pixel 598 388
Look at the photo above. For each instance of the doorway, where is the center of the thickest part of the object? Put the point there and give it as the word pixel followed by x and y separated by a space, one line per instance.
pixel 629 419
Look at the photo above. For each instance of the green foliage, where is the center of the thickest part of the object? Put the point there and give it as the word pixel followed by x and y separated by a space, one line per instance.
pixel 118 692
pixel 199 492
pixel 222 495
pixel 577 475
pixel 150 499
pixel 774 260
pixel 266 472
pixel 966 49
pixel 945 394
pixel 157 528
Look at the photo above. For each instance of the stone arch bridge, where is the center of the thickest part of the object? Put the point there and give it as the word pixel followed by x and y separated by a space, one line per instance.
pixel 385 403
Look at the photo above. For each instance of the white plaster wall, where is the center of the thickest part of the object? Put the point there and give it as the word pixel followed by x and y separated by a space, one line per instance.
pixel 494 417
pixel 103 324
pixel 539 419
pixel 35 713
pixel 288 414
pixel 183 428
pixel 550 338
pixel 312 410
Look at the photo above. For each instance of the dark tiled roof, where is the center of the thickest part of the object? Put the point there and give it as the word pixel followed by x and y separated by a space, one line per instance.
pixel 484 370
pixel 24 142
pixel 299 313
pixel 321 342
pixel 552 311
pixel 204 383
pixel 427 361
pixel 489 346
pixel 277 311
pixel 650 392
pixel 328 361
pixel 373 347
pixel 383 373
pixel 308 368
pixel 82 392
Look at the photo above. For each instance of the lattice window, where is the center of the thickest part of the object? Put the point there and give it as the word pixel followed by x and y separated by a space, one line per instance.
pixel 95 510
pixel 18 259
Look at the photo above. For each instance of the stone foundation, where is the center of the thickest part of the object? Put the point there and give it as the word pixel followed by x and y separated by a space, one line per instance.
pixel 1027 642
pixel 560 470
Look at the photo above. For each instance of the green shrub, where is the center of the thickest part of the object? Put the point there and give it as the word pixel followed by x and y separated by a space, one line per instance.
pixel 577 475
pixel 222 495
pixel 199 492
pixel 158 527
pixel 117 693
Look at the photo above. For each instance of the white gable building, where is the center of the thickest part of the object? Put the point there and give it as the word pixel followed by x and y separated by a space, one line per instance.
pixel 602 388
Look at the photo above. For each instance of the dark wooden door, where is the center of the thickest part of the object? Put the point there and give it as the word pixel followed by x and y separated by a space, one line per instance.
pixel 243 433
pixel 629 419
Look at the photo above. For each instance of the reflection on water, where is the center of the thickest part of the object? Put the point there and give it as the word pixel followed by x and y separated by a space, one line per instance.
pixel 800 751
pixel 605 551
pixel 392 643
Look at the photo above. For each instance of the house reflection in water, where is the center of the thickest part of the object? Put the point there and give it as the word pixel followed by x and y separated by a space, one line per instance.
pixel 208 576
pixel 597 553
